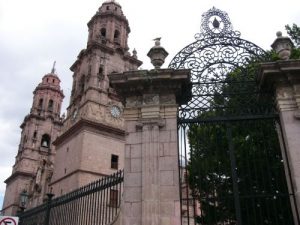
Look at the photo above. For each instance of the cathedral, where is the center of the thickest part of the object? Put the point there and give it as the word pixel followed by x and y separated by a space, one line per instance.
pixel 60 153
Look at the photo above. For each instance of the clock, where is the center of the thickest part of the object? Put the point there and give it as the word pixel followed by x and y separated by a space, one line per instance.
pixel 115 111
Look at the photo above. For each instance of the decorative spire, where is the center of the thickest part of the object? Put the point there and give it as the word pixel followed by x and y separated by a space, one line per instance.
pixel 53 68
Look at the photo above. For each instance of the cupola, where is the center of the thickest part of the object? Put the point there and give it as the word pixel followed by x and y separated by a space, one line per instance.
pixel 109 27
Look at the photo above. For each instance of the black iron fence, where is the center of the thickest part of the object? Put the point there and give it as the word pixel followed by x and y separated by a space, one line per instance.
pixel 235 174
pixel 95 203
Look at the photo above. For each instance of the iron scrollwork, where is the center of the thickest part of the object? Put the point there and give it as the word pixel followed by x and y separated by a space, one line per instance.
pixel 217 53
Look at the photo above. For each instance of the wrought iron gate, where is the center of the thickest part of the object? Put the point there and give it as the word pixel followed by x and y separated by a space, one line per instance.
pixel 232 168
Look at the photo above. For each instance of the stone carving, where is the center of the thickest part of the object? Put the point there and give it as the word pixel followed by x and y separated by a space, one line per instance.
pixel 167 99
pixel 133 101
pixel 150 99
pixel 282 46
pixel 285 93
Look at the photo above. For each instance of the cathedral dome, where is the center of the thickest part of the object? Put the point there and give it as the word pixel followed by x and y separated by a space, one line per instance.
pixel 111 6
pixel 112 1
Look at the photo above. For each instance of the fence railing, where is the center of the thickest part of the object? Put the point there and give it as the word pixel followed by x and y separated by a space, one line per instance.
pixel 96 203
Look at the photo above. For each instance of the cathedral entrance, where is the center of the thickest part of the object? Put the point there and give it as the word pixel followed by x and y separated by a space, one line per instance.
pixel 233 164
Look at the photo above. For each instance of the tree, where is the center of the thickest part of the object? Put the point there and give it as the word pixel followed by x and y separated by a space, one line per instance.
pixel 294 33
pixel 241 156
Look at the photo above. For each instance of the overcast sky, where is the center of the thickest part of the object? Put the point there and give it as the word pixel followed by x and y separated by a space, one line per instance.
pixel 34 33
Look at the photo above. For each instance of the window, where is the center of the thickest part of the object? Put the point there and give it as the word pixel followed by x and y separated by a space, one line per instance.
pixel 117 34
pixel 113 198
pixel 117 37
pixel 100 73
pixel 34 134
pixel 25 139
pixel 103 32
pixel 45 141
pixel 90 70
pixel 114 161
pixel 50 105
pixel 40 103
pixel 101 70
pixel 81 84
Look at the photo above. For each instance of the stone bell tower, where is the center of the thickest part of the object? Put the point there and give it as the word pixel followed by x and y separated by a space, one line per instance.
pixel 91 144
pixel 33 167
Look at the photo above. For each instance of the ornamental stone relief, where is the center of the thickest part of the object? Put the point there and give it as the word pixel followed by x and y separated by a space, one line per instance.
pixel 167 99
pixel 133 101
pixel 150 99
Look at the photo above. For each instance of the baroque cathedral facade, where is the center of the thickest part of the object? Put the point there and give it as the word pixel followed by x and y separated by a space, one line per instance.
pixel 57 153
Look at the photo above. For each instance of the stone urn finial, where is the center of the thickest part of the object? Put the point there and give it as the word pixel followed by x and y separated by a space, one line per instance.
pixel 157 54
pixel 282 46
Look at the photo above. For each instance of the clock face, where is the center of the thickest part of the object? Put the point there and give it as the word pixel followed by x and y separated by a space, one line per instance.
pixel 115 111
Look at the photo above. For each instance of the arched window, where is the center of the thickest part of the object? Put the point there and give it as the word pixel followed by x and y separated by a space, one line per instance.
pixel 81 84
pixel 45 142
pixel 101 73
pixel 40 106
pixel 117 34
pixel 103 32
pixel 50 105
pixel 90 70
pixel 117 37
pixel 34 134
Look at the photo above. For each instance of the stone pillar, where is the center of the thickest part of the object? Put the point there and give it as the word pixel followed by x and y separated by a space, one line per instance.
pixel 151 178
pixel 284 76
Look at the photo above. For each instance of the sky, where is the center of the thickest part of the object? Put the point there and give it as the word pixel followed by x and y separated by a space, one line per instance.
pixel 34 33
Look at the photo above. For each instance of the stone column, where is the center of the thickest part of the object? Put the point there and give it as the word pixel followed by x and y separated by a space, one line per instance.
pixel 284 76
pixel 151 178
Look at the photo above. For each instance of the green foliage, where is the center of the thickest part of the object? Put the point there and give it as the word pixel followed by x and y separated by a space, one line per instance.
pixel 248 150
pixel 260 175
pixel 295 53
pixel 294 33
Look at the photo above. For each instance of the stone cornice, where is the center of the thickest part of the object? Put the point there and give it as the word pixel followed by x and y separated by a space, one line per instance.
pixel 88 125
pixel 77 171
pixel 98 45
pixel 162 81
pixel 46 87
pixel 109 14
pixel 287 71
pixel 17 174
pixel 132 60
pixel 284 76
pixel 43 118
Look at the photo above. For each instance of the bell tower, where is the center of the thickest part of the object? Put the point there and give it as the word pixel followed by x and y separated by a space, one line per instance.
pixel 91 144
pixel 33 166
